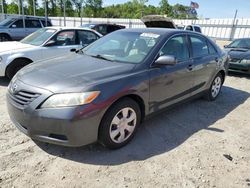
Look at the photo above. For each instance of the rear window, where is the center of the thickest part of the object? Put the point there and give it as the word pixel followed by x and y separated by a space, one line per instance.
pixel 48 23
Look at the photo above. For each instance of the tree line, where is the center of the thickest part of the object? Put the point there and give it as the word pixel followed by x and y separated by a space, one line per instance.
pixel 95 8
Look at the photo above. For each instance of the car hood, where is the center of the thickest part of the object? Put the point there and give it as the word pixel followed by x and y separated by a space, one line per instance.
pixel 158 21
pixel 72 73
pixel 13 46
pixel 238 53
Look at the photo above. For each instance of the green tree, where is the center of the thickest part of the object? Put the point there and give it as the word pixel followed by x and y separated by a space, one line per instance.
pixel 12 8
pixel 79 5
pixel 180 11
pixel 166 8
pixel 93 8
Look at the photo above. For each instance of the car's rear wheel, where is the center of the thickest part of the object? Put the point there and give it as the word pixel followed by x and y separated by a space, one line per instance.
pixel 119 124
pixel 215 88
pixel 4 37
pixel 15 66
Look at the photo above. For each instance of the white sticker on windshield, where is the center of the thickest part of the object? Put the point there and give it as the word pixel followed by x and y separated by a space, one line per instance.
pixel 50 30
pixel 151 35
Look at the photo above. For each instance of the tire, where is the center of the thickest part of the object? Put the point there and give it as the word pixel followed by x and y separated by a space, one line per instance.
pixel 215 88
pixel 15 66
pixel 4 37
pixel 119 124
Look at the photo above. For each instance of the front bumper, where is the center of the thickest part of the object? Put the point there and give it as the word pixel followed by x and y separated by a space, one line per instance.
pixel 239 67
pixel 70 126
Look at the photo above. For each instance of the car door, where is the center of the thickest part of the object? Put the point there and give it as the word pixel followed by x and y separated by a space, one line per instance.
pixel 17 30
pixel 205 59
pixel 31 25
pixel 172 83
pixel 63 42
pixel 84 37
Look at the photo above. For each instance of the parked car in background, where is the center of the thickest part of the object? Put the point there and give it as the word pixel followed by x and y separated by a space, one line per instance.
pixel 103 92
pixel 43 44
pixel 103 28
pixel 239 52
pixel 194 28
pixel 18 27
pixel 158 21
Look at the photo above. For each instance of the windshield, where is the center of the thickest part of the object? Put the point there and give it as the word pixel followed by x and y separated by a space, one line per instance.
pixel 240 43
pixel 39 37
pixel 7 22
pixel 126 47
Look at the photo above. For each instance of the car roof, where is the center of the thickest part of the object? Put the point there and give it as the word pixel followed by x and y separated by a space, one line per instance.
pixel 77 28
pixel 160 31
pixel 101 24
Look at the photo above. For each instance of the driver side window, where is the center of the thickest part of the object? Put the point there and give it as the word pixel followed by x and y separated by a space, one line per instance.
pixel 17 24
pixel 176 47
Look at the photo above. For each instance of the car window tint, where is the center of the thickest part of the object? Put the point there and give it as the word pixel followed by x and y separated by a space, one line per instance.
pixel 101 29
pixel 17 24
pixel 176 47
pixel 32 24
pixel 211 48
pixel 48 23
pixel 197 29
pixel 112 28
pixel 199 46
pixel 65 38
pixel 86 37
pixel 189 28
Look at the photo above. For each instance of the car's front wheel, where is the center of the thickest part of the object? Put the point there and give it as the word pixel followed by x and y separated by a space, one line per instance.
pixel 119 124
pixel 4 37
pixel 215 88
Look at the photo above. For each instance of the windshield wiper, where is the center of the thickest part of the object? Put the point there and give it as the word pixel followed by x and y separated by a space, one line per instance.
pixel 101 57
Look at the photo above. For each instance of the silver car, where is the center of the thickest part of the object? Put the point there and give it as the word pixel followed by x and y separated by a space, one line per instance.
pixel 18 28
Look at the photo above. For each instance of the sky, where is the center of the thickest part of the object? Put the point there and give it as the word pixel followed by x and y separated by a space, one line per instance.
pixel 208 8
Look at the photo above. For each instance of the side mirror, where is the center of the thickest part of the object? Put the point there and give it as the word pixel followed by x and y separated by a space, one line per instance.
pixel 225 46
pixel 50 43
pixel 166 60
pixel 13 26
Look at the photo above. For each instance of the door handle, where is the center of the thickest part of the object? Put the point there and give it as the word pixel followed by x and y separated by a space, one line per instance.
pixel 190 67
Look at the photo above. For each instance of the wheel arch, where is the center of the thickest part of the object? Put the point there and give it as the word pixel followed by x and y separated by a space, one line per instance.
pixel 223 74
pixel 138 99
pixel 3 33
pixel 16 60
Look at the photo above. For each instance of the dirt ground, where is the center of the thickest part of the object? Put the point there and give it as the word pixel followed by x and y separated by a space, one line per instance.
pixel 197 144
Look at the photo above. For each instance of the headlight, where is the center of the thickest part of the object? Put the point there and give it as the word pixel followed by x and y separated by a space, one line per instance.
pixel 245 61
pixel 70 99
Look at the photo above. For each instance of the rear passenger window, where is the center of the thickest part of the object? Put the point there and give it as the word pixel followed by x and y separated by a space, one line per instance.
pixel 32 24
pixel 211 48
pixel 199 46
pixel 176 47
pixel 197 29
pixel 86 37
pixel 48 23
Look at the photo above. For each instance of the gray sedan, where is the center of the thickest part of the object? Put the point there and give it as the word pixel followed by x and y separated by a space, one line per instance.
pixel 103 92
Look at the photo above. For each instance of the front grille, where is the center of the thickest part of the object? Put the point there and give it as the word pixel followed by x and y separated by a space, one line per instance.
pixel 23 97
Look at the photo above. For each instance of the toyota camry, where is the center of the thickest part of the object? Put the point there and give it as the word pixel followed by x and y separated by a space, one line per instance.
pixel 103 92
